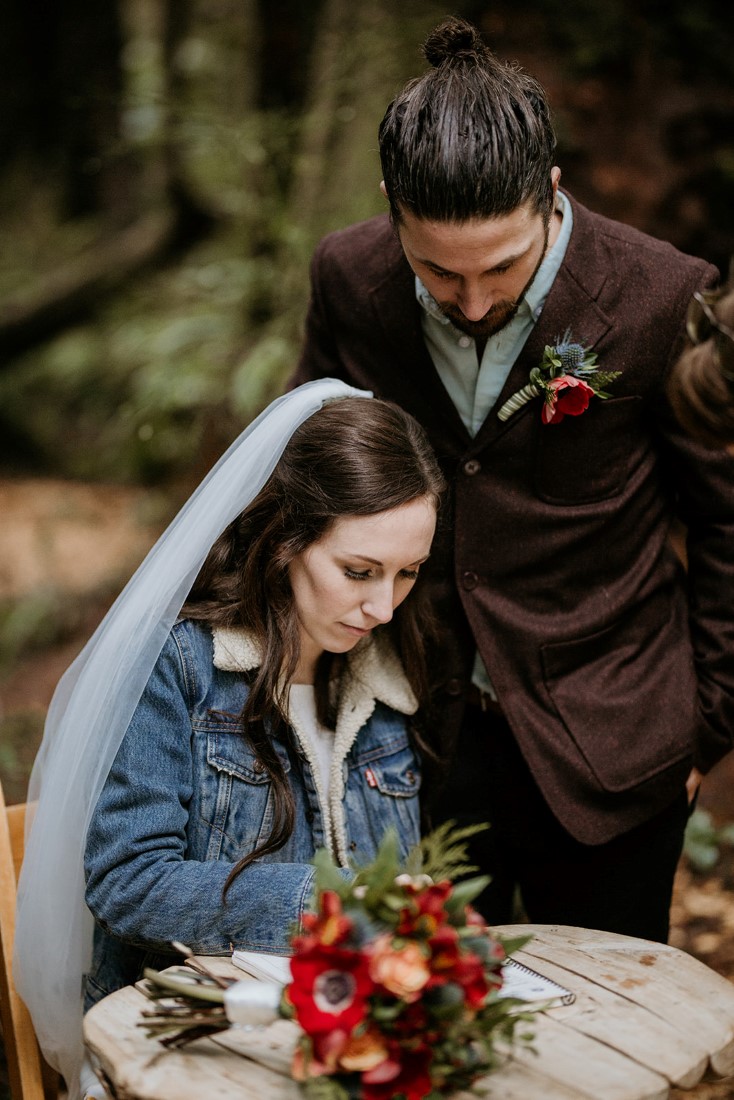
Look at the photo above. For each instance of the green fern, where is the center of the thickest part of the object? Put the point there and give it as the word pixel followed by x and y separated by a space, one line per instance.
pixel 443 853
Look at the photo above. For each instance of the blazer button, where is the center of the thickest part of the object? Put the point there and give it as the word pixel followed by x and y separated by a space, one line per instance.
pixel 472 466
pixel 469 580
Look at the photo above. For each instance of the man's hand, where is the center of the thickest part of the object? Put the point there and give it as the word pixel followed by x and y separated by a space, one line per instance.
pixel 692 784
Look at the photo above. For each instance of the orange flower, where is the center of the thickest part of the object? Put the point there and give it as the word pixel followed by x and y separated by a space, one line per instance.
pixel 425 910
pixel 327 927
pixel 363 1052
pixel 402 971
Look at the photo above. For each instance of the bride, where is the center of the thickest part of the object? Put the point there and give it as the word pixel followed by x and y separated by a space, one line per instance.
pixel 248 699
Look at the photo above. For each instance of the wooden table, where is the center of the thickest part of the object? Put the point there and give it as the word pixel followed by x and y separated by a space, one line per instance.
pixel 646 1017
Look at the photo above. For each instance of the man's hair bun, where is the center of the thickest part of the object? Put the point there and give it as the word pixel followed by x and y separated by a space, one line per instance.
pixel 454 38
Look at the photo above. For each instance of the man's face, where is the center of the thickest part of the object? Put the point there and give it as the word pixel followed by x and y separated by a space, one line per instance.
pixel 478 271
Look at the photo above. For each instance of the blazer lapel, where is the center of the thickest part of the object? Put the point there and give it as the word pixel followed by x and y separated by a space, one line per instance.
pixel 571 304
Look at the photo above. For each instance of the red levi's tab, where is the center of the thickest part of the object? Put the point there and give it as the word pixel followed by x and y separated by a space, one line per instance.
pixel 370 777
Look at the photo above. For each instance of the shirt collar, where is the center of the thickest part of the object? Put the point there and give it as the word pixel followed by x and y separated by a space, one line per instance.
pixel 539 289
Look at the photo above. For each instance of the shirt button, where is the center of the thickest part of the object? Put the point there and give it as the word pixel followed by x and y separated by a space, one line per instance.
pixel 472 466
pixel 465 341
pixel 469 580
pixel 454 686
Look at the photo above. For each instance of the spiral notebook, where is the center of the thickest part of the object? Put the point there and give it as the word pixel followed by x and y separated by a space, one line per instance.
pixel 518 980
pixel 521 981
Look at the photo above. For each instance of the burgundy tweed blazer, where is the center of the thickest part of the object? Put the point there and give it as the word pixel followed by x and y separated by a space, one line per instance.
pixel 615 672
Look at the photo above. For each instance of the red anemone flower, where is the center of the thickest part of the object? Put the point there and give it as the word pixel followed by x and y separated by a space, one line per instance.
pixel 330 988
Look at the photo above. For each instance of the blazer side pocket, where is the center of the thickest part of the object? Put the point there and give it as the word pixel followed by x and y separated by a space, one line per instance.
pixel 628 694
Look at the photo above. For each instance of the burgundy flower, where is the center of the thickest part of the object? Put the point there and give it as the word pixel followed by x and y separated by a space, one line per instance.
pixel 404 1073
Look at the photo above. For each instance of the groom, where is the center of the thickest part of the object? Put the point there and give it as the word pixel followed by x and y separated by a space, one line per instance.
pixel 586 682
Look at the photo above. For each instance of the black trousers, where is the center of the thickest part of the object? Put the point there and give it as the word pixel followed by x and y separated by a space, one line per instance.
pixel 622 886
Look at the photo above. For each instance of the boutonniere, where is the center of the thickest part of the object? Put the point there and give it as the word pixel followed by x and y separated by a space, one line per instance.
pixel 567 379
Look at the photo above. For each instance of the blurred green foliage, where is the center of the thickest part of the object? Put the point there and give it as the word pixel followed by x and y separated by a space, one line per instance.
pixel 704 840
pixel 693 38
pixel 272 129
pixel 166 371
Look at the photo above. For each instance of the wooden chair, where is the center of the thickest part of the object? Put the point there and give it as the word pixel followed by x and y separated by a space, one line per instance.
pixel 25 1065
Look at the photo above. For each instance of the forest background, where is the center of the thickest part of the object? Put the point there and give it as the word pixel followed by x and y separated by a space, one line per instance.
pixel 166 169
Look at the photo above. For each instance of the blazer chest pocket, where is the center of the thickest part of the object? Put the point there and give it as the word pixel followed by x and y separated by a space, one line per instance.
pixel 590 457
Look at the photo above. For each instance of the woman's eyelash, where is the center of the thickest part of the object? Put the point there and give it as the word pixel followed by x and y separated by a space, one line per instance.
pixel 353 574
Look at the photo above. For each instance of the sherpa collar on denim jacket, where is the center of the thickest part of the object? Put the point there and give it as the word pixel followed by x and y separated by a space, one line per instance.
pixel 373 674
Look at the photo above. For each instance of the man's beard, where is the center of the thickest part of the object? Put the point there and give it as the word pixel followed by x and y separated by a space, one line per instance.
pixel 497 316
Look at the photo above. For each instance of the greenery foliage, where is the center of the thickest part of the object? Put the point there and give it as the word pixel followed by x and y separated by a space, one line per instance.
pixel 704 840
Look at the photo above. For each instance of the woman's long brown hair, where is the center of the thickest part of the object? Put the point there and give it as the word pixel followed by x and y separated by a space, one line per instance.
pixel 701 385
pixel 354 457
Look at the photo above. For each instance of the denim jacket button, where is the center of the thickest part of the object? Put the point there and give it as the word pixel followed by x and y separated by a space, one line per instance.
pixel 352 845
pixel 410 776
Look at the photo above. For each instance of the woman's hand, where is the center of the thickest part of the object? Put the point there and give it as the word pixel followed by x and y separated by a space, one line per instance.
pixel 692 784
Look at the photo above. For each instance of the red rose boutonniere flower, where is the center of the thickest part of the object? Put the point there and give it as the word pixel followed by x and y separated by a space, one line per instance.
pixel 567 378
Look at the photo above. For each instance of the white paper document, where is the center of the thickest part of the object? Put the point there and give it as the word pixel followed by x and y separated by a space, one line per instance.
pixel 518 980
pixel 521 981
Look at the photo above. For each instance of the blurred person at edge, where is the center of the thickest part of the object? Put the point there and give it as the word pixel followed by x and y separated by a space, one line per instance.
pixel 701 387
pixel 586 683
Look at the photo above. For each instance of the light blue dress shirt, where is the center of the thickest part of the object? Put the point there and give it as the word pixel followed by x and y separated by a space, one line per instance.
pixel 473 386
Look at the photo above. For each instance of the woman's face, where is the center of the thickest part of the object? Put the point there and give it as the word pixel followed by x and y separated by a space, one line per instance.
pixel 352 579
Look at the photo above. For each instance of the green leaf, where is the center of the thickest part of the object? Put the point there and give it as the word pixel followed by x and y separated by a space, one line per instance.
pixel 465 892
pixel 513 943
pixel 445 853
pixel 324 1088
pixel 328 875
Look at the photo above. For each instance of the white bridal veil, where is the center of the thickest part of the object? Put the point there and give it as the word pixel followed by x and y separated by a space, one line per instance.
pixel 88 716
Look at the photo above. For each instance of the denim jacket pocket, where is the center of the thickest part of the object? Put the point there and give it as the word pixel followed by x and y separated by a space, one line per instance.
pixel 382 790
pixel 397 774
pixel 236 807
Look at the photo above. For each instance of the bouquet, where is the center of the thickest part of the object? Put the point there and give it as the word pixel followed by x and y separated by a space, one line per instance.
pixel 396 982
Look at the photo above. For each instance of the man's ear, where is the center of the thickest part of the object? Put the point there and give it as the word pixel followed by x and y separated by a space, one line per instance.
pixel 555 178
pixel 383 189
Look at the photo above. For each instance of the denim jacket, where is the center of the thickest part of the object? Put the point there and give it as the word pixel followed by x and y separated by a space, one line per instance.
pixel 186 798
